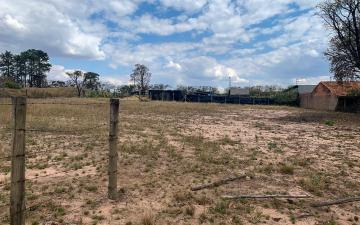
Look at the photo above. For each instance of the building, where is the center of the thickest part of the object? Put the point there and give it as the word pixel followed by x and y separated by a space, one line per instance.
pixel 235 91
pixel 166 95
pixel 300 89
pixel 333 96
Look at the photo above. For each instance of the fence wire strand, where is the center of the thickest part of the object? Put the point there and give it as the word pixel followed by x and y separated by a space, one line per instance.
pixel 36 156
pixel 66 132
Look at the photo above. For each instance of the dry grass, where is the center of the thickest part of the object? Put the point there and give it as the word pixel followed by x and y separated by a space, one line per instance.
pixel 165 148
pixel 66 92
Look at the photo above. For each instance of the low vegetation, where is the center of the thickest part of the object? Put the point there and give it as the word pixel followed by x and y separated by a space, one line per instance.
pixel 166 148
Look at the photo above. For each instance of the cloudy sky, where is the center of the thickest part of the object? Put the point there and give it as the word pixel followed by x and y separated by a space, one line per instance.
pixel 192 42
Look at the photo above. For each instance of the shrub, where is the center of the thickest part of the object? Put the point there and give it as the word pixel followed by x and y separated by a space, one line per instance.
pixel 11 85
pixel 329 123
pixel 287 169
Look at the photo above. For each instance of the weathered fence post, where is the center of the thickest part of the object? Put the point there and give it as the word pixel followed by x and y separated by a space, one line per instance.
pixel 17 192
pixel 113 154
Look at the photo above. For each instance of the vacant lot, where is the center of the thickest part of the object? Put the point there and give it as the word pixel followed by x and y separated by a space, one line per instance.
pixel 167 148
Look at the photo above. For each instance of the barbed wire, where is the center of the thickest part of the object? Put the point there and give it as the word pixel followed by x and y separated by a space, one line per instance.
pixel 64 103
pixel 75 131
pixel 5 184
pixel 43 202
pixel 3 206
pixel 70 132
pixel 32 154
pixel 53 175
pixel 5 157
pixel 60 103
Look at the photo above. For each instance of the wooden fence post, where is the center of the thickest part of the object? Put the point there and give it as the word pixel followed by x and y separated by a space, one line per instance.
pixel 17 192
pixel 113 154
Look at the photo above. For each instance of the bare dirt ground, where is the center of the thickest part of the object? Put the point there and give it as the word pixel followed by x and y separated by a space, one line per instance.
pixel 166 148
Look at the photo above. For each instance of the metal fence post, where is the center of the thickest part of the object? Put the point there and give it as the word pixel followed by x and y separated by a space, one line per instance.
pixel 17 192
pixel 113 154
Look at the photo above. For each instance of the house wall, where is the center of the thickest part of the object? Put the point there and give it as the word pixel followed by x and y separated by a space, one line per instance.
pixel 320 102
pixel 321 90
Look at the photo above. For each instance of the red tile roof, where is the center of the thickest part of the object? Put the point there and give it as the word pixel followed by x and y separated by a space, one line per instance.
pixel 341 88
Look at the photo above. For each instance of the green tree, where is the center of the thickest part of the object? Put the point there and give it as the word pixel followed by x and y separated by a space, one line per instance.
pixel 125 90
pixel 20 69
pixel 7 65
pixel 141 77
pixel 91 81
pixel 160 86
pixel 37 65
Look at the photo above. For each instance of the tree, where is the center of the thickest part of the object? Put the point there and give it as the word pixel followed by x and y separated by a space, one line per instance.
pixel 343 18
pixel 29 68
pixel 159 86
pixel 125 90
pixel 20 70
pixel 57 84
pixel 7 65
pixel 92 81
pixel 77 79
pixel 81 81
pixel 37 65
pixel 141 77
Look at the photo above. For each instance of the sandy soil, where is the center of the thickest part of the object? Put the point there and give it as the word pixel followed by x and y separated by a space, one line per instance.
pixel 167 148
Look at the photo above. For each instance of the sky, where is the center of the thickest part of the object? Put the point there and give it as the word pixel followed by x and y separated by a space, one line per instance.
pixel 182 42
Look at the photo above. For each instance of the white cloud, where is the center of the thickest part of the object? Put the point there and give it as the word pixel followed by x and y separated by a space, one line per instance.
pixel 48 28
pixel 173 65
pixel 115 81
pixel 310 80
pixel 248 40
pixel 12 23
pixel 186 5
pixel 58 72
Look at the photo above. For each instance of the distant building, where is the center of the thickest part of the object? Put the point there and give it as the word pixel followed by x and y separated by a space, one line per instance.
pixel 333 96
pixel 301 89
pixel 234 91
pixel 166 95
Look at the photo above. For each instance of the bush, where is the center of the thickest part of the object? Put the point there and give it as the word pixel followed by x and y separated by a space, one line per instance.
pixel 330 123
pixel 287 98
pixel 11 85
pixel 354 93
pixel 98 94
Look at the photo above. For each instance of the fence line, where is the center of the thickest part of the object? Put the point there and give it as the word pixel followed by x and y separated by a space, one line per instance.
pixel 58 103
pixel 19 158
pixel 59 131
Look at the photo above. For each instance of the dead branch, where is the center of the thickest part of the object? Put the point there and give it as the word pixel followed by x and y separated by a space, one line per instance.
pixel 229 197
pixel 336 202
pixel 218 183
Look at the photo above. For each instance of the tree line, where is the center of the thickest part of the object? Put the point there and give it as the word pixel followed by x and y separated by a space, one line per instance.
pixel 27 69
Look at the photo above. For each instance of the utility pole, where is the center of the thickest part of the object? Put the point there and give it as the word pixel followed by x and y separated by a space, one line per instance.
pixel 229 84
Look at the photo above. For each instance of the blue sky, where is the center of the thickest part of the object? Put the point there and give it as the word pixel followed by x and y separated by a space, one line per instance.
pixel 183 42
